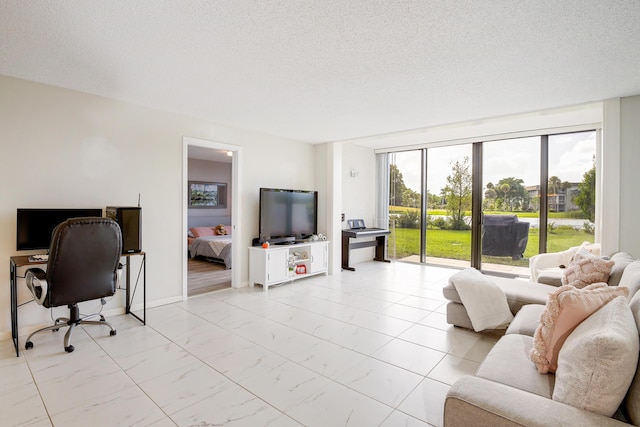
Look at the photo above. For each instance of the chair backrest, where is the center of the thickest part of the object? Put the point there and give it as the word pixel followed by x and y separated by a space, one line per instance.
pixel 83 260
pixel 504 235
pixel 499 220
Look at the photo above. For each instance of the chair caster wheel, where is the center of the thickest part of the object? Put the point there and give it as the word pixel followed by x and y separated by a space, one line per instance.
pixel 69 349
pixel 28 345
pixel 112 333
pixel 55 330
pixel 102 319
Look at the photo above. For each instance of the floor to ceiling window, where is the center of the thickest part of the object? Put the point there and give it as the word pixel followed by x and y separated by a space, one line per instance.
pixel 511 213
pixel 448 231
pixel 533 194
pixel 405 189
pixel 571 190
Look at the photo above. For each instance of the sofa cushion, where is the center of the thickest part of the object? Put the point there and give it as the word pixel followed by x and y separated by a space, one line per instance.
pixel 620 261
pixel 526 320
pixel 450 293
pixel 485 301
pixel 631 278
pixel 631 403
pixel 551 276
pixel 585 269
pixel 508 363
pixel 565 309
pixel 457 315
pixel 598 360
pixel 518 292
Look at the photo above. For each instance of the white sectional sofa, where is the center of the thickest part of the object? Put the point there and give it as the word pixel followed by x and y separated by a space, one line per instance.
pixel 520 292
pixel 508 390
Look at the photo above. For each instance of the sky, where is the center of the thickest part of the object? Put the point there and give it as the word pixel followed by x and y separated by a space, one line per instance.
pixel 570 156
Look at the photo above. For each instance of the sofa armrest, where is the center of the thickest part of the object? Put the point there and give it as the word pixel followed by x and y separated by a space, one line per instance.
pixel 480 402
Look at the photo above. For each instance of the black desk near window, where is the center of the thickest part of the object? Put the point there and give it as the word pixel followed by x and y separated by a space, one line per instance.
pixel 16 262
pixel 355 233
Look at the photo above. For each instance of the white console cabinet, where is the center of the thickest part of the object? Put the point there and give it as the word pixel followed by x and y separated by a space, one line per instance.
pixel 279 264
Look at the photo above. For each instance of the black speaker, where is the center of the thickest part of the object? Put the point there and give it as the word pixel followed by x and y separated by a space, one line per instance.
pixel 130 221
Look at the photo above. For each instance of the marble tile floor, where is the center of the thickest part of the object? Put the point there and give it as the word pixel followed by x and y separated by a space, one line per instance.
pixel 363 348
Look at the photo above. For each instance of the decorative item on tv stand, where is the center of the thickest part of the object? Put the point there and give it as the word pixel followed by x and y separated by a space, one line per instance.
pixel 296 263
pixel 292 265
pixel 316 237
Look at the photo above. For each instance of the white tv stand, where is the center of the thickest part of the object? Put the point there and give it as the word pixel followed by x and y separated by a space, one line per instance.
pixel 279 263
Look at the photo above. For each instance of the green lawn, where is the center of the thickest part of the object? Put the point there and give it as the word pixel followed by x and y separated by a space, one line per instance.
pixel 454 244
pixel 572 214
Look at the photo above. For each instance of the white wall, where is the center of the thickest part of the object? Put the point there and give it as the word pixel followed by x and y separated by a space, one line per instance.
pixel 62 148
pixel 359 192
pixel 329 181
pixel 608 202
pixel 630 175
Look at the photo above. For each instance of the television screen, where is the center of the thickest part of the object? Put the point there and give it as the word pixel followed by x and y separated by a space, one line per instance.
pixel 34 226
pixel 287 214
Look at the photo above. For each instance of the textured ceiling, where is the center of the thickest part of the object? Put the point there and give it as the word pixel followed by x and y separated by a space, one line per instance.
pixel 329 70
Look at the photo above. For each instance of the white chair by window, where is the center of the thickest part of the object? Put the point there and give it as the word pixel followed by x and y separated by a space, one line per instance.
pixel 548 268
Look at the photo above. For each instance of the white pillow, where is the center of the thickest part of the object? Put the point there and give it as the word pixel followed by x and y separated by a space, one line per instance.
pixel 598 360
pixel 585 269
pixel 566 308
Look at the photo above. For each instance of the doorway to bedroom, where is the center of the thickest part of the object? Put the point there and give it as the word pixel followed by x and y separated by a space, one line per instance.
pixel 208 216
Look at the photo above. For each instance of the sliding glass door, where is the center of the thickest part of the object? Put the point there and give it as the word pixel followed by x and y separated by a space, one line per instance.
pixel 494 204
pixel 405 189
pixel 510 207
pixel 435 228
pixel 571 190
pixel 448 231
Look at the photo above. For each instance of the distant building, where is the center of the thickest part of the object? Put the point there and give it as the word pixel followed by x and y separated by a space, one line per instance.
pixel 560 202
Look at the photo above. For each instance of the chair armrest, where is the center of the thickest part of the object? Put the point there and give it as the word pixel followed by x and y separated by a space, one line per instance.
pixel 36 280
pixel 480 402
pixel 549 260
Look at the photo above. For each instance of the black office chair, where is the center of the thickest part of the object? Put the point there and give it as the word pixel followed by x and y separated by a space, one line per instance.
pixel 82 266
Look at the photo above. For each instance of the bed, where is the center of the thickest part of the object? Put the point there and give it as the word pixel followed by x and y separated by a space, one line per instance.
pixel 204 242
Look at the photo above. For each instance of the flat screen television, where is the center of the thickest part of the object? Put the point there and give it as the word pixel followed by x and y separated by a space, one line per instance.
pixel 287 215
pixel 35 226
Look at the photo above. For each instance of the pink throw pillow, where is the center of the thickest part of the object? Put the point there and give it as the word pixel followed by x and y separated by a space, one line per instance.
pixel 566 309
pixel 202 231
pixel 585 269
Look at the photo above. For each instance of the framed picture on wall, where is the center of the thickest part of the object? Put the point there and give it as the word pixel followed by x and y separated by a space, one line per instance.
pixel 207 195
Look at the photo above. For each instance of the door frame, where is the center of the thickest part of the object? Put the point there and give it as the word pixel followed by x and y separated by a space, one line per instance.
pixel 236 166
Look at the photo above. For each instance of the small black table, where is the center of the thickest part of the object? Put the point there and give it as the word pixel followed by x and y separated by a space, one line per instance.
pixel 380 243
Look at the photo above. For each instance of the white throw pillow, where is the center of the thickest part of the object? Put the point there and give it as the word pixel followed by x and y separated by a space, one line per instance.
pixel 585 269
pixel 598 360
pixel 566 308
